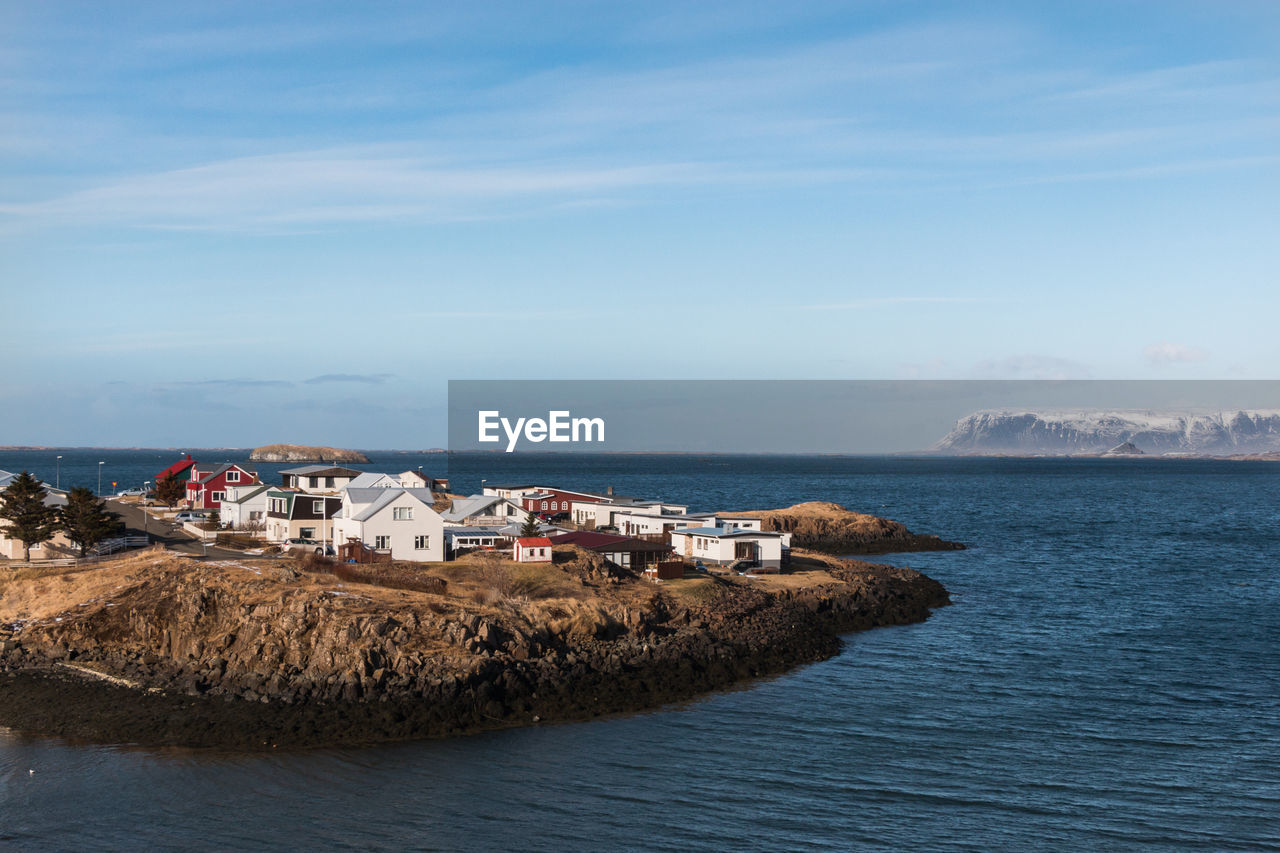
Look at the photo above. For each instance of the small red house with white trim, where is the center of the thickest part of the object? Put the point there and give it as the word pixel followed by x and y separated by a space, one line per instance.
pixel 208 485
pixel 534 549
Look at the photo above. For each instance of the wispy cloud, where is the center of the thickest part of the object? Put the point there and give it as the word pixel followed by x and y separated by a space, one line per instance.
pixel 889 301
pixel 1166 353
pixel 1031 366
pixel 350 378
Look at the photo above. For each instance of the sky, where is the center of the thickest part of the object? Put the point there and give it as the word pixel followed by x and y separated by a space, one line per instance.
pixel 231 224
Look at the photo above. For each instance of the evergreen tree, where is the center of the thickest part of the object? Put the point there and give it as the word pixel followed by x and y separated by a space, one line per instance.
pixel 530 528
pixel 215 520
pixel 169 491
pixel 86 520
pixel 29 519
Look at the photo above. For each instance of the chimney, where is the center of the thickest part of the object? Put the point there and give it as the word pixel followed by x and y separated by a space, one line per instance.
pixel 609 491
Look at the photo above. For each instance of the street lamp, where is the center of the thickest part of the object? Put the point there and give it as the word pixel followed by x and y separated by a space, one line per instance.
pixel 146 487
pixel 58 481
pixel 100 464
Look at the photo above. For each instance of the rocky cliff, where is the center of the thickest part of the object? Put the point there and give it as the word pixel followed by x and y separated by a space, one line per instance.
pixel 1096 432
pixel 158 649
pixel 302 453
pixel 830 527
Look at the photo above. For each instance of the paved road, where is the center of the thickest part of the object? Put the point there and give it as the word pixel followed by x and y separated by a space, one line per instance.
pixel 170 535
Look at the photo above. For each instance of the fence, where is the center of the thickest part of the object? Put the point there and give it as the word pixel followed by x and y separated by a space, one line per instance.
pixel 104 549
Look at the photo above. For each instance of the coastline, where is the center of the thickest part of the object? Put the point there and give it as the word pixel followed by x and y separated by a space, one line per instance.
pixel 683 647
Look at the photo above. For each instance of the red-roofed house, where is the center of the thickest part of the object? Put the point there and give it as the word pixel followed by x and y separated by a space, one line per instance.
pixel 208 486
pixel 535 549
pixel 180 470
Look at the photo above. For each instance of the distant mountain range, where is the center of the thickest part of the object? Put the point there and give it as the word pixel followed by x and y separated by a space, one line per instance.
pixel 1057 433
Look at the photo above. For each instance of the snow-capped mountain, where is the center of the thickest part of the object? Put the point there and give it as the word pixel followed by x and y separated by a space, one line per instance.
pixel 1055 433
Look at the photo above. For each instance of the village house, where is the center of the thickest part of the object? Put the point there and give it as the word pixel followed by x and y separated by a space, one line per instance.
pixel 418 480
pixel 535 549
pixel 180 470
pixel 244 506
pixel 402 521
pixel 300 515
pixel 59 546
pixel 623 551
pixel 724 546
pixel 467 538
pixel 482 511
pixel 208 484
pixel 373 480
pixel 317 478
pixel 594 514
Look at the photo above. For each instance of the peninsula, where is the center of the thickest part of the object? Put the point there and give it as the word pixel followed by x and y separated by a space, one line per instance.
pixel 160 649
pixel 304 453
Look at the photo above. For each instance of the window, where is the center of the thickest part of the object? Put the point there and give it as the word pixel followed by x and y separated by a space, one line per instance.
pixel 317 507
pixel 382 542
pixel 218 496
pixel 233 476
pixel 254 514
pixel 328 482
pixel 555 505
pixel 307 532
pixel 315 481
pixel 544 504
pixel 402 513
pixel 421 543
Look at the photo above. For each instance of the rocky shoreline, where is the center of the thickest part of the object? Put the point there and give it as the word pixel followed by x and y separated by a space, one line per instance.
pixel 305 453
pixel 200 665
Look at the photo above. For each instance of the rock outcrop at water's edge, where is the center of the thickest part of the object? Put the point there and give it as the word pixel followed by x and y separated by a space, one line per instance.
pixel 830 527
pixel 303 453
pixel 261 655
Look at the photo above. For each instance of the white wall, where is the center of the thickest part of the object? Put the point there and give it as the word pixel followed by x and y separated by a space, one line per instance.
pixel 400 533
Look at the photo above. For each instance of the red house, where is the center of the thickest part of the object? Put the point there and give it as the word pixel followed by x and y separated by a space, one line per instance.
pixel 548 501
pixel 180 470
pixel 535 549
pixel 208 486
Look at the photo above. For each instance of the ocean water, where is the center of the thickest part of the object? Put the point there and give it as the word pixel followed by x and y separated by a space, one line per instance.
pixel 1106 678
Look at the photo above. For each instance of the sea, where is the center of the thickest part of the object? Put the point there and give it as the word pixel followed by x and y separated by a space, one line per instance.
pixel 1107 677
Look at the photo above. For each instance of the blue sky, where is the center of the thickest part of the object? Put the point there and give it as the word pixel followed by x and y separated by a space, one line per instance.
pixel 244 223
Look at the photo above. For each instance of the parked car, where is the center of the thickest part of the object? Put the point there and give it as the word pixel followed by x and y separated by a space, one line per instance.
pixel 131 493
pixel 193 517
pixel 296 543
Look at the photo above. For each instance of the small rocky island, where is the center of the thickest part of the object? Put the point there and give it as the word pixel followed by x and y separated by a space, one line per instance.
pixel 160 649
pixel 304 453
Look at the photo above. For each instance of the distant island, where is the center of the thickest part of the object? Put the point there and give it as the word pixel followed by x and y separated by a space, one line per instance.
pixel 1230 434
pixel 303 453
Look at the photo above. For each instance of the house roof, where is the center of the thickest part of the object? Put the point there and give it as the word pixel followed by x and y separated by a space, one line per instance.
pixel 469 506
pixel 370 480
pixel 327 470
pixel 608 543
pixel 512 531
pixel 176 468
pixel 423 496
pixel 254 492
pixel 481 532
pixel 535 542
pixel 222 469
pixel 725 532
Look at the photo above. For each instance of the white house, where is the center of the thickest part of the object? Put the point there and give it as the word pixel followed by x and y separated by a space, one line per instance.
pixel 244 506
pixel 401 520
pixel 535 549
pixel 373 480
pixel 725 545
pixel 317 478
pixel 510 491
pixel 418 480
pixel 462 538
pixel 57 546
pixel 643 523
pixel 483 511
